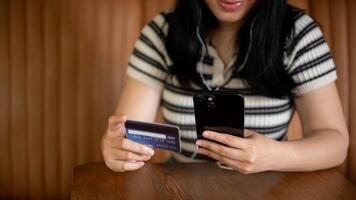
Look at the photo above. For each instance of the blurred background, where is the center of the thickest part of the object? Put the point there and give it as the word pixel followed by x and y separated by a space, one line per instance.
pixel 62 66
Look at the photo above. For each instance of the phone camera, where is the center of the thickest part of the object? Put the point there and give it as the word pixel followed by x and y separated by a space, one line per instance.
pixel 210 98
pixel 211 105
pixel 211 102
pixel 200 99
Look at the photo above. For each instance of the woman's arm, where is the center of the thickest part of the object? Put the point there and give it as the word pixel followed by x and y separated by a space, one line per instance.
pixel 138 101
pixel 141 102
pixel 324 145
pixel 147 71
pixel 325 141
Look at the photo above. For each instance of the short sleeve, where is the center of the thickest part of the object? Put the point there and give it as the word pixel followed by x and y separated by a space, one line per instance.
pixel 308 59
pixel 149 61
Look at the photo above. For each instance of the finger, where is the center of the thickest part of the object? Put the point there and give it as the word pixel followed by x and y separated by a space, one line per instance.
pixel 135 147
pixel 121 166
pixel 118 133
pixel 229 140
pixel 115 120
pixel 122 155
pixel 236 165
pixel 225 151
pixel 116 126
pixel 212 155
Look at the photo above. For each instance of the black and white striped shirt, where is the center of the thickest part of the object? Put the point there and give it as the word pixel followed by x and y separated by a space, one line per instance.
pixel 308 62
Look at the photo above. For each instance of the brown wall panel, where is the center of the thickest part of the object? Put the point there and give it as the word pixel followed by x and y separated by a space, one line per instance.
pixel 18 116
pixel 320 10
pixel 51 99
pixel 339 33
pixel 5 101
pixel 303 4
pixel 84 80
pixel 117 51
pixel 34 55
pixel 132 25
pixel 339 29
pixel 68 91
pixel 100 70
pixel 153 7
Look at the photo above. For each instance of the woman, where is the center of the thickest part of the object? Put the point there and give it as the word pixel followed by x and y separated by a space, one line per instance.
pixel 271 53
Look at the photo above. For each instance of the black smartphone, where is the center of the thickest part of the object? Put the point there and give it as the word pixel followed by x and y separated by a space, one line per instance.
pixel 220 111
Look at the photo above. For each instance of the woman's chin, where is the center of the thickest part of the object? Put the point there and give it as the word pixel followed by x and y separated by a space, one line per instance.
pixel 229 17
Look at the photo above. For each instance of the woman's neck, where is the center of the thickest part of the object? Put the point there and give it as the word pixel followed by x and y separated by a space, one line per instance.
pixel 224 39
pixel 228 28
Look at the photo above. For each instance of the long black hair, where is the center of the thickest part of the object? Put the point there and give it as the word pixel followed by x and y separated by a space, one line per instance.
pixel 264 73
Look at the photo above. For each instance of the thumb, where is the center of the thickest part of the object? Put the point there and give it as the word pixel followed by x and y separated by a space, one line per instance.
pixel 116 125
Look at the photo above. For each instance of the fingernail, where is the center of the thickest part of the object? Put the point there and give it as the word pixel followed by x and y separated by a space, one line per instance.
pixel 198 143
pixel 150 151
pixel 206 134
pixel 146 157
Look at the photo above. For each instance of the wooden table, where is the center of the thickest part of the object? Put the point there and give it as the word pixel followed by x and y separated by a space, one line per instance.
pixel 206 181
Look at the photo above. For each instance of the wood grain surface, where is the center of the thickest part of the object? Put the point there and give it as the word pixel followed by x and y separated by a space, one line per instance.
pixel 206 181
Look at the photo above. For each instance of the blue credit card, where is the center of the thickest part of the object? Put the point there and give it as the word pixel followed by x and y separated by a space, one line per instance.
pixel 154 135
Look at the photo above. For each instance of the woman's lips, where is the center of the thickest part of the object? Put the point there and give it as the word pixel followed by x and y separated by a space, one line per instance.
pixel 230 5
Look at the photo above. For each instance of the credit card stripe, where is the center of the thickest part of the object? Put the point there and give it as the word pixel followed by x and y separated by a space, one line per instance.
pixel 145 133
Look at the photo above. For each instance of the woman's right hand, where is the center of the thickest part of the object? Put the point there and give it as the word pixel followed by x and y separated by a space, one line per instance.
pixel 121 154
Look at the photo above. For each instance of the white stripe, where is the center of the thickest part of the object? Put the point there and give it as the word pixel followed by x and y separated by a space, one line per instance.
pixel 317 83
pixel 250 101
pixel 179 118
pixel 263 102
pixel 152 35
pixel 159 19
pixel 148 68
pixel 188 134
pixel 188 146
pixel 145 133
pixel 310 56
pixel 313 71
pixel 307 39
pixel 148 51
pixel 258 121
pixel 160 45
pixel 178 99
pixel 139 76
pixel 302 22
pixel 263 121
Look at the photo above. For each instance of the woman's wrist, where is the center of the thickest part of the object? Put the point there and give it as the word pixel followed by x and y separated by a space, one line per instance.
pixel 285 156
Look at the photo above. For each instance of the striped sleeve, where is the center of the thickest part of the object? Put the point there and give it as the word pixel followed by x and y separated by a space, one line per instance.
pixel 309 60
pixel 149 61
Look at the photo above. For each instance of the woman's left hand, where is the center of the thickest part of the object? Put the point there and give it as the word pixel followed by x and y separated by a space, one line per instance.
pixel 251 154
